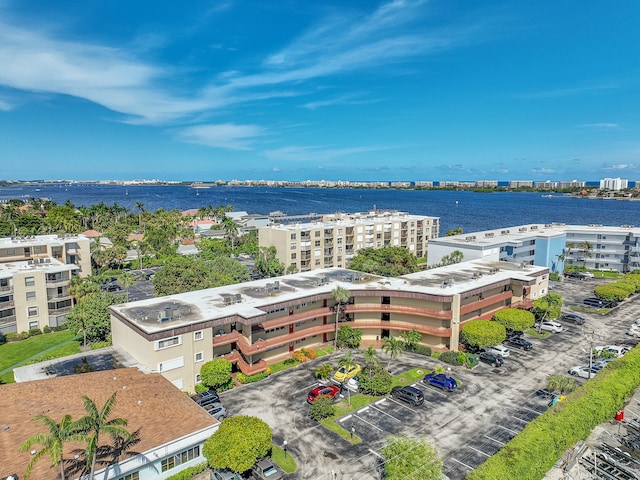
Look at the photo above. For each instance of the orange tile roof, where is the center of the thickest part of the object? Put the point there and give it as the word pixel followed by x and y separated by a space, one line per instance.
pixel 92 233
pixel 163 414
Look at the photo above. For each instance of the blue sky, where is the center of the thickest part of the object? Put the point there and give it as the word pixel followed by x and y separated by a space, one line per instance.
pixel 359 90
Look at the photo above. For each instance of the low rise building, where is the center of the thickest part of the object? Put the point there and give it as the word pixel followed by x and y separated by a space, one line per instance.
pixel 255 323
pixel 553 245
pixel 35 276
pixel 332 242
pixel 171 428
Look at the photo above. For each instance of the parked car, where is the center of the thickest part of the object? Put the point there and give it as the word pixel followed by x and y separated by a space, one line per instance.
pixel 224 475
pixel 572 318
pixel 345 373
pixel 514 334
pixel 491 359
pixel 113 287
pixel 440 380
pixel 634 331
pixel 409 394
pixel 597 303
pixel 617 350
pixel 579 275
pixel 582 372
pixel 519 342
pixel 217 411
pixel 328 390
pixel 498 350
pixel 469 348
pixel 206 398
pixel 266 469
pixel 550 326
pixel 630 342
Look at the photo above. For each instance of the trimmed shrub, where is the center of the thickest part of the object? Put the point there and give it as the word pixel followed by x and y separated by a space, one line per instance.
pixel 242 378
pixel 322 407
pixel 452 358
pixel 379 382
pixel 299 357
pixel 23 335
pixel 290 361
pixel 46 329
pixel 435 354
pixel 11 337
pixel 97 345
pixel 324 371
pixel 189 473
pixel 422 350
pixel 59 328
pixel 200 388
pixel 309 353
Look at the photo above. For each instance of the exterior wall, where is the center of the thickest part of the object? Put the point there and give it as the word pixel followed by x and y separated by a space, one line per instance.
pixel 437 251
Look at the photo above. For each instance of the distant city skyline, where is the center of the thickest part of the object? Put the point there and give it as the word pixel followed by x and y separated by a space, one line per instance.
pixel 399 90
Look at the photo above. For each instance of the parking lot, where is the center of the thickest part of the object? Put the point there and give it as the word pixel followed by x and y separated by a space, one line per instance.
pixel 491 405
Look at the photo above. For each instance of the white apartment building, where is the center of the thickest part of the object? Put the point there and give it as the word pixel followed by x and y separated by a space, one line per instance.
pixel 554 245
pixel 614 184
pixel 35 275
pixel 333 241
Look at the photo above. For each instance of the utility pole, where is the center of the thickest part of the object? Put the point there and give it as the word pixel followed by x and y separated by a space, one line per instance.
pixel 591 337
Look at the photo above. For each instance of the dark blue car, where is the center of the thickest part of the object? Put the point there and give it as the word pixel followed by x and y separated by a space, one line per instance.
pixel 440 380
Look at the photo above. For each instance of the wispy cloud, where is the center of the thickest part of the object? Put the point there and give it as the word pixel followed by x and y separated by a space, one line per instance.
pixel 317 153
pixel 349 99
pixel 228 135
pixel 454 167
pixel 600 126
pixel 543 170
pixel 621 166
pixel 566 92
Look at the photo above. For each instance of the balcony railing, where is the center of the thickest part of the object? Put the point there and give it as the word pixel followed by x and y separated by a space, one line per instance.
pixel 400 309
pixel 8 304
pixel 6 288
pixel 404 326
pixel 57 281
pixel 297 317
pixel 235 357
pixel 492 300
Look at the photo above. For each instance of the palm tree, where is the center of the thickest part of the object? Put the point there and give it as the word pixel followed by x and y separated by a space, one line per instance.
pixel 340 295
pixel 127 280
pixel 348 363
pixel 52 442
pixel 231 230
pixel 370 357
pixel 97 422
pixel 392 347
pixel 140 207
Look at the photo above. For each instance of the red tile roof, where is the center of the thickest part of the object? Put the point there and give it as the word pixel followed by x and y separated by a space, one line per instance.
pixel 148 401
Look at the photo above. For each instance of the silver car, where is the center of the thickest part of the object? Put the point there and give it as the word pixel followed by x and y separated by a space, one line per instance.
pixel 217 411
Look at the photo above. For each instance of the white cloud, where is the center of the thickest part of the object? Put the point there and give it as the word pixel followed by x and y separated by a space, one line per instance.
pixel 621 166
pixel 603 125
pixel 316 153
pixel 349 99
pixel 542 170
pixel 228 135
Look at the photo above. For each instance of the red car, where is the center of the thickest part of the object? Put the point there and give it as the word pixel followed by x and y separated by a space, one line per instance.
pixel 329 390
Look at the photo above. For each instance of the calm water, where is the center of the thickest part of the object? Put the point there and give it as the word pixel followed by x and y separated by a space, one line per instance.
pixel 472 211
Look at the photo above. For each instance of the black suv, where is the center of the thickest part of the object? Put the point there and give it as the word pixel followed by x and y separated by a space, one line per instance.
pixel 491 359
pixel 206 398
pixel 519 342
pixel 572 318
pixel 409 394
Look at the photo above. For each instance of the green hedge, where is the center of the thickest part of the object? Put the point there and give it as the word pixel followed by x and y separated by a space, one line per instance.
pixel 190 472
pixel 533 452
pixel 242 378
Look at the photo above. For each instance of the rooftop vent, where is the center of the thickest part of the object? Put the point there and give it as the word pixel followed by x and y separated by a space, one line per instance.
pixel 534 227
pixel 504 232
pixel 493 270
pixel 488 234
pixel 522 229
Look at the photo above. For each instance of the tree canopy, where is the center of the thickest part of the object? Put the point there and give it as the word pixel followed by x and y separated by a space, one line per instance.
pixel 408 458
pixel 267 264
pixel 238 443
pixel 548 306
pixel 91 316
pixel 483 333
pixel 216 374
pixel 349 337
pixel 515 319
pixel 388 261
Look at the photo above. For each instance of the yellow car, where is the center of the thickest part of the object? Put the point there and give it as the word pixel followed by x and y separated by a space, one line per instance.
pixel 344 374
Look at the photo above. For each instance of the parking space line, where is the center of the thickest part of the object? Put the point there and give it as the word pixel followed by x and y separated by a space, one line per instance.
pixel 363 409
pixel 345 418
pixel 464 464
pixel 308 388
pixel 403 406
pixel 435 390
pixel 507 429
pixel 376 454
pixel 387 414
pixel 530 409
pixel 382 400
pixel 368 423
pixel 479 451
pixel 497 441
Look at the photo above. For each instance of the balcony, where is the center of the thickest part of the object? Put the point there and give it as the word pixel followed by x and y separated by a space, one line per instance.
pixel 497 301
pixel 235 357
pixel 297 317
pixel 57 281
pixel 7 319
pixel 60 311
pixel 58 296
pixel 226 339
pixel 400 309
pixel 6 288
pixel 8 304
pixel 404 326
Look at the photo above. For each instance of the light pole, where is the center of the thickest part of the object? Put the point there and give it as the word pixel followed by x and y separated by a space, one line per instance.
pixel 284 447
pixel 353 431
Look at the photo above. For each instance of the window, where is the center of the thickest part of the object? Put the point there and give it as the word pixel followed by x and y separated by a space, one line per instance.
pixel 11 251
pixel 293 256
pixel 317 234
pixel 171 364
pixel 317 243
pixel 293 246
pixel 29 281
pixel 293 236
pixel 198 357
pixel 317 262
pixel 198 378
pixel 168 342
pixel 180 458
pixel 198 335
pixel 33 325
pixel 131 476
pixel 31 296
pixel 32 311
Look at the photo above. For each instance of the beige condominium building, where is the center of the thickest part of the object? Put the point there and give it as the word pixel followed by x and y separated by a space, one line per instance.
pixel 35 275
pixel 256 323
pixel 332 242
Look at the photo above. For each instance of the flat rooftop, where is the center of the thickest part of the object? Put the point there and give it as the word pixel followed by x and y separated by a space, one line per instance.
pixel 500 236
pixel 253 299
pixel 30 240
pixel 347 219
pixel 47 265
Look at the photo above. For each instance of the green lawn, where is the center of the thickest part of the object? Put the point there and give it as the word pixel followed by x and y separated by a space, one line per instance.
pixel 286 462
pixel 14 353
